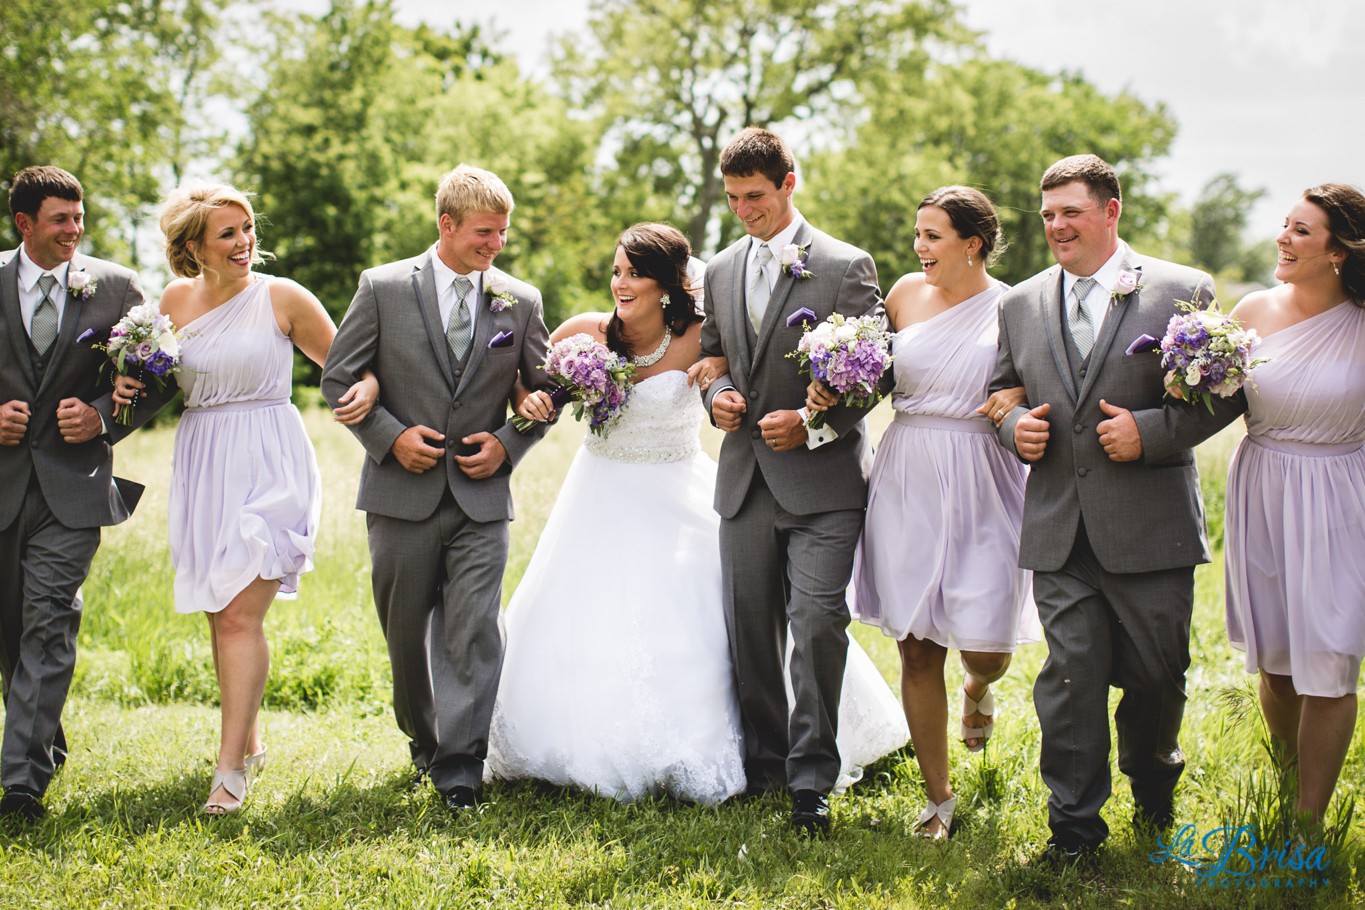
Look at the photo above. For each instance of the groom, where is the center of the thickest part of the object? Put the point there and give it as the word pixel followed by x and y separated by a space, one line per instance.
pixel 447 335
pixel 791 503
pixel 1113 520
pixel 56 430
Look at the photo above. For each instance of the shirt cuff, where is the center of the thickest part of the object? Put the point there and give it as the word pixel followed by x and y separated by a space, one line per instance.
pixel 816 438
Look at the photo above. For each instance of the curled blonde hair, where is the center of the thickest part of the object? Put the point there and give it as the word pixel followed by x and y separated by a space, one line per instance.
pixel 185 218
pixel 469 190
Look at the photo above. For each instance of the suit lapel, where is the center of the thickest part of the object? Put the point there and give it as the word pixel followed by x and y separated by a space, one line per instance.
pixel 428 304
pixel 13 318
pixel 738 302
pixel 483 326
pixel 777 301
pixel 1118 307
pixel 1055 327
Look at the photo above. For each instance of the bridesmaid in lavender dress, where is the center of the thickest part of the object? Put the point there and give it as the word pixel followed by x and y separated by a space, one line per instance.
pixel 937 564
pixel 245 489
pixel 1296 491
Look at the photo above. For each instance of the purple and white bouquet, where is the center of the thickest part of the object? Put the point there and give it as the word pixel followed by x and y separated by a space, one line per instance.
pixel 592 376
pixel 143 343
pixel 1205 352
pixel 848 356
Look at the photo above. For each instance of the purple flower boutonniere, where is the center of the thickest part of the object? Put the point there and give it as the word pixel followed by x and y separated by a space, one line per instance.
pixel 81 285
pixel 1127 283
pixel 793 259
pixel 499 298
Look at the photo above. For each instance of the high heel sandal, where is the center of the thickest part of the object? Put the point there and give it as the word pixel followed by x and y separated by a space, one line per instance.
pixel 971 706
pixel 255 764
pixel 234 784
pixel 943 812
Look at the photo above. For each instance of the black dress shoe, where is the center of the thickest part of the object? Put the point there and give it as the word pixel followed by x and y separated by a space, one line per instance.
pixel 810 812
pixel 22 803
pixel 1159 819
pixel 1065 854
pixel 460 799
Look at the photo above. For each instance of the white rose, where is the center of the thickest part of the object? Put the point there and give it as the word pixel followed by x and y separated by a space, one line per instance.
pixel 790 253
pixel 168 343
pixel 846 332
pixel 77 281
pixel 1192 375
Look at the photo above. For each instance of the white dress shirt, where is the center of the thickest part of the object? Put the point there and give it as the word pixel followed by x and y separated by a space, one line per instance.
pixel 30 293
pixel 445 291
pixel 1101 294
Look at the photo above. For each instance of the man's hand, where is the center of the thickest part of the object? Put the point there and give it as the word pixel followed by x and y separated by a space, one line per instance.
pixel 783 430
pixel 1119 434
pixel 1031 433
pixel 412 451
pixel 77 421
pixel 484 462
pixel 13 422
pixel 727 409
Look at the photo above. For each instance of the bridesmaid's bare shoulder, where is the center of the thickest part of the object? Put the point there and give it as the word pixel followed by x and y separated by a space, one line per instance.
pixel 594 324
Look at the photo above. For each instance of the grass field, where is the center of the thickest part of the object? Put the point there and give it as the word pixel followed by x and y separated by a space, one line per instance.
pixel 333 823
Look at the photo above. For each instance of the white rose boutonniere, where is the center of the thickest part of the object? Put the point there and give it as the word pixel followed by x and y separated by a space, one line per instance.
pixel 1127 283
pixel 81 285
pixel 793 259
pixel 499 298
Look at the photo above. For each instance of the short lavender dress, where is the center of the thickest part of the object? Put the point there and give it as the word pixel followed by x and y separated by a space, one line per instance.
pixel 939 554
pixel 245 489
pixel 1295 533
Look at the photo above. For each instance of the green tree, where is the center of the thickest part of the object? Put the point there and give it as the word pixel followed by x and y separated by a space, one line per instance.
pixel 116 93
pixel 1218 223
pixel 995 125
pixel 669 83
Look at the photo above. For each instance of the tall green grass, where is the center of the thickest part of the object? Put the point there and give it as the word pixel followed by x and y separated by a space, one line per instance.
pixel 333 823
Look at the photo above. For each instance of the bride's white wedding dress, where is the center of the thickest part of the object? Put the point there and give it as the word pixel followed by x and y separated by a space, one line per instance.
pixel 617 677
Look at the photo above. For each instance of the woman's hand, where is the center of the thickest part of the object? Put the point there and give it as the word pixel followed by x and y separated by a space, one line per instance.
pixel 819 397
pixel 999 405
pixel 706 371
pixel 126 390
pixel 358 401
pixel 537 406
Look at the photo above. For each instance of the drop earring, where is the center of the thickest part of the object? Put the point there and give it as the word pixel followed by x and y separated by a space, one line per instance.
pixel 664 301
pixel 1336 269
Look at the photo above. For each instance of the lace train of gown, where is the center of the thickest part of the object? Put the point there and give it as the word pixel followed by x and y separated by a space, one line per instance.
pixel 617 677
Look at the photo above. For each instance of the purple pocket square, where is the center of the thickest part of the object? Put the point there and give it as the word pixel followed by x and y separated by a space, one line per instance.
pixel 502 340
pixel 1142 345
pixel 85 336
pixel 802 316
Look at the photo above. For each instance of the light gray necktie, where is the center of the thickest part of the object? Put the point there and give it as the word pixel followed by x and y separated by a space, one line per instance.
pixel 43 326
pixel 758 286
pixel 460 328
pixel 1082 329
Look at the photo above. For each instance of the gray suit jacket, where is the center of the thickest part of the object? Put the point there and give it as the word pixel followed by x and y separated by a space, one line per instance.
pixel 804 481
pixel 77 480
pixel 1139 516
pixel 394 327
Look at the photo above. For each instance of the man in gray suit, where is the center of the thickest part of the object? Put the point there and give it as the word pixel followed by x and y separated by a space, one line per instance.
pixel 56 431
pixel 447 335
pixel 1113 519
pixel 791 503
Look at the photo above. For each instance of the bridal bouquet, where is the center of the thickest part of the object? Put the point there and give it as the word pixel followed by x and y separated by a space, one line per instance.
pixel 590 375
pixel 143 343
pixel 1205 352
pixel 848 355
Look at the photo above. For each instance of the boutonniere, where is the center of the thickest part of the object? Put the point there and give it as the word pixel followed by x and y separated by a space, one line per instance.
pixel 1127 283
pixel 793 259
pixel 499 298
pixel 80 284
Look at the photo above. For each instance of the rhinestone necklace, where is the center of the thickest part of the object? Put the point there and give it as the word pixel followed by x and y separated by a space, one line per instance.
pixel 648 360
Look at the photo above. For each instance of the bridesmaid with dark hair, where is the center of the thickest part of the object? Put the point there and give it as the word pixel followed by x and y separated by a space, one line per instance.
pixel 937 564
pixel 1296 491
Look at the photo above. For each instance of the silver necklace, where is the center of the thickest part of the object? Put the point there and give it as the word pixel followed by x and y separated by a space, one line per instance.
pixel 648 360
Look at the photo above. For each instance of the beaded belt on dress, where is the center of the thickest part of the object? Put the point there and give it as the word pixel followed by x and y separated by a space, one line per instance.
pixel 1311 449
pixel 229 406
pixel 643 454
pixel 956 424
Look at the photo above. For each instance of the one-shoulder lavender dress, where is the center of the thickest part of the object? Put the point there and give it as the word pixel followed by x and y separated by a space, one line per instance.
pixel 245 489
pixel 939 554
pixel 1295 532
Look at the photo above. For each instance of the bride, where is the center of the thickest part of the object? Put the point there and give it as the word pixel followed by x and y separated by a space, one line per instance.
pixel 617 676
